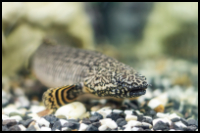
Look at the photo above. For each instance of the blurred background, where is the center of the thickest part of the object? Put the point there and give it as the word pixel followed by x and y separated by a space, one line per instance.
pixel 160 40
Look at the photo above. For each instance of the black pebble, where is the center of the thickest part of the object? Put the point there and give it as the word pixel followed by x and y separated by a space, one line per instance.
pixel 31 128
pixel 175 119
pixel 147 130
pixel 96 124
pixel 99 115
pixel 86 121
pixel 151 113
pixel 161 126
pixel 121 122
pixel 94 118
pixel 140 118
pixel 143 126
pixel 26 122
pixel 72 125
pixel 14 128
pixel 192 122
pixel 174 126
pixel 148 120
pixel 9 122
pixel 184 121
pixel 4 128
pixel 91 128
pixel 73 120
pixel 51 118
pixel 114 116
pixel 191 128
pixel 56 125
pixel 140 129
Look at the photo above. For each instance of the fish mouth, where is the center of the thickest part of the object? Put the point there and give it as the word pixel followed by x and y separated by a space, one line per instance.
pixel 136 92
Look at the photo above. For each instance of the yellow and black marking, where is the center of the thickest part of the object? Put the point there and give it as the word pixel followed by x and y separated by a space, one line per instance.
pixel 53 98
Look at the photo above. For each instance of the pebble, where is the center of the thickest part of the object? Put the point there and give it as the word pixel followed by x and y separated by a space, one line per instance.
pixel 109 123
pixel 14 128
pixel 51 118
pixel 43 122
pixel 131 117
pixel 102 128
pixel 121 122
pixel 94 118
pixel 31 128
pixel 66 129
pixel 71 111
pixel 26 122
pixel 82 127
pixel 4 128
pixel 158 103
pixel 9 122
pixel 16 117
pixel 192 122
pixel 57 125
pixel 128 112
pixel 160 125
pixel 180 124
pixel 114 116
pixel 22 128
pixel 86 121
pixel 184 121
pixel 96 124
pixel 104 111
pixel 134 129
pixel 62 121
pixel 72 125
pixel 45 129
pixel 133 123
pixel 91 128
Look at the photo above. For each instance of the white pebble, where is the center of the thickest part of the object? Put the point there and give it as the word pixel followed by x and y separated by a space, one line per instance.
pixel 103 113
pixel 22 101
pixel 179 124
pixel 170 130
pixel 162 115
pixel 36 108
pixel 44 122
pixel 71 111
pixel 105 121
pixel 131 117
pixel 138 112
pixel 147 124
pixel 64 128
pixel 174 115
pixel 153 103
pixel 102 128
pixel 128 112
pixel 22 128
pixel 133 123
pixel 57 130
pixel 112 125
pixel 4 117
pixel 109 123
pixel 135 129
pixel 63 121
pixel 128 128
pixel 16 117
pixel 11 108
pixel 37 127
pixel 45 129
pixel 82 127
pixel 117 111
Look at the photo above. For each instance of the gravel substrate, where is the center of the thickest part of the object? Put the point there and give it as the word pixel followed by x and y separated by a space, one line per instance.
pixel 164 107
